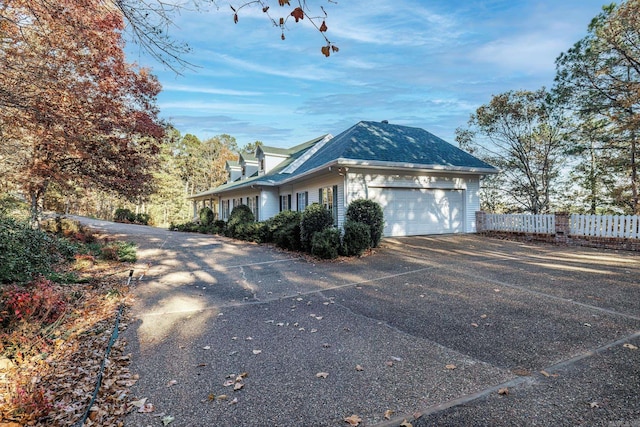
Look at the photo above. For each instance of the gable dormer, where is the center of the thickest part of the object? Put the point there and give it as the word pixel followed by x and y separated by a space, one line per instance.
pixel 248 164
pixel 270 157
pixel 234 170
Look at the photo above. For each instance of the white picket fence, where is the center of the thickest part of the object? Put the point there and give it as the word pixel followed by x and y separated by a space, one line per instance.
pixel 608 226
pixel 620 226
pixel 521 223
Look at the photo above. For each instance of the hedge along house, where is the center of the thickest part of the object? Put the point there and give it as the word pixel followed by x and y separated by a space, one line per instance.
pixel 424 184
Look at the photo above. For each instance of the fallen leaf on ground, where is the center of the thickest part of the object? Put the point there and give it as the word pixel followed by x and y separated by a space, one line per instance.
pixel 322 374
pixel 521 372
pixel 211 397
pixel 147 408
pixel 397 359
pixel 359 368
pixel 234 401
pixel 387 414
pixel 594 404
pixel 503 391
pixel 353 420
pixel 167 420
pixel 318 317
pixel 138 403
pixel 451 367
pixel 257 351
pixel 314 331
pixel 630 346
pixel 206 347
pixel 172 382
pixel 223 397
pixel 389 363
pixel 483 316
pixel 237 386
pixel 475 325
pixel 406 423
pixel 228 383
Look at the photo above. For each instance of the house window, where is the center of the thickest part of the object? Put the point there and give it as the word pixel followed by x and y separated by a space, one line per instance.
pixel 244 170
pixel 252 202
pixel 285 202
pixel 328 197
pixel 237 202
pixel 302 200
pixel 225 209
pixel 262 164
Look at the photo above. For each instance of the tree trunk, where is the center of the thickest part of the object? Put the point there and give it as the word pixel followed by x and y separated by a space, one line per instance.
pixel 635 206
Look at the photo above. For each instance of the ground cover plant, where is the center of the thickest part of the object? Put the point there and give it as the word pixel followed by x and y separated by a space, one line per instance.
pixel 59 297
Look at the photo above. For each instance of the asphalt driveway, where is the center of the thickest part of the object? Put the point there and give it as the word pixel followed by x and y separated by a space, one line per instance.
pixel 447 330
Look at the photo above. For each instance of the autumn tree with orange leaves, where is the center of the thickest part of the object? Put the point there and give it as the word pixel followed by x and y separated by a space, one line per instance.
pixel 72 110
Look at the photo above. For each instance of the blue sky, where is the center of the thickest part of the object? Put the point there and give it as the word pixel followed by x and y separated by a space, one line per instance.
pixel 426 64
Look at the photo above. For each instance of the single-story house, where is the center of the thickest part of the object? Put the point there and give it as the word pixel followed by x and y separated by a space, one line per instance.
pixel 424 184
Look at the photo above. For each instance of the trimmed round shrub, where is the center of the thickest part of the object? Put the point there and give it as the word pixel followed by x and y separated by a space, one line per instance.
pixel 239 220
pixel 315 218
pixel 356 238
pixel 288 236
pixel 283 219
pixel 124 215
pixel 206 216
pixel 325 244
pixel 143 218
pixel 370 213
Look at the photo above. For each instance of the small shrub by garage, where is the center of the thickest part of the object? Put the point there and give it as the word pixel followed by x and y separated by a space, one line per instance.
pixel 370 213
pixel 356 239
pixel 325 244
pixel 315 218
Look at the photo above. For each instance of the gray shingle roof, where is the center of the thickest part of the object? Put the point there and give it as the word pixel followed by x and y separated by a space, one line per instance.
pixel 384 142
pixel 374 143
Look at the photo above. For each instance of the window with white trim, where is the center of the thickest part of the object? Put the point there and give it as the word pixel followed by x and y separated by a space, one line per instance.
pixel 252 202
pixel 225 209
pixel 285 202
pixel 302 200
pixel 328 197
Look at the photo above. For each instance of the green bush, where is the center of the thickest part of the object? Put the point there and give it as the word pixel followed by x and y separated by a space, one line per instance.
pixel 325 244
pixel 186 227
pixel 315 218
pixel 143 218
pixel 206 216
pixel 279 221
pixel 26 253
pixel 119 251
pixel 370 213
pixel 239 221
pixel 288 237
pixel 124 215
pixel 356 239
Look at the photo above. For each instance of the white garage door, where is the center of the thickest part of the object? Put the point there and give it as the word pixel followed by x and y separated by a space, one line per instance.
pixel 414 211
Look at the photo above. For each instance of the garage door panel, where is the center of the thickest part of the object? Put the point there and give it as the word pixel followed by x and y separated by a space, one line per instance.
pixel 420 211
